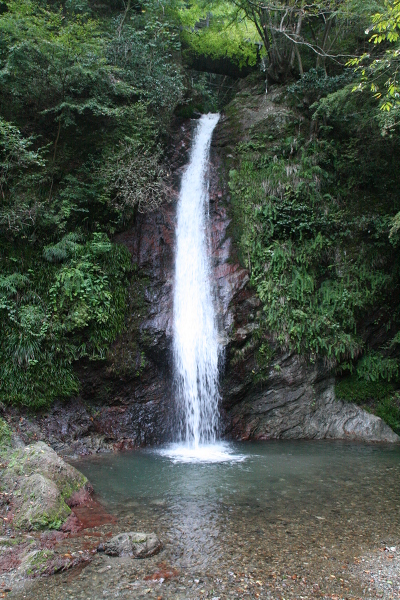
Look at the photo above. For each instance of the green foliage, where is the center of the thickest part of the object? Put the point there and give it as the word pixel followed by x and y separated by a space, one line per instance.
pixel 135 178
pixel 84 86
pixel 395 230
pixel 359 391
pixel 263 355
pixel 370 388
pixel 314 231
pixel 315 84
pixel 16 155
pixel 49 58
pixel 219 34
pixel 86 98
pixel 5 434
pixel 311 289
pixel 143 58
pixel 389 411
pixel 373 367
pixel 58 314
pixel 378 71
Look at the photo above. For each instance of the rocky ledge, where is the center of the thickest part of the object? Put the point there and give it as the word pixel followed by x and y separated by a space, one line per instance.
pixel 298 402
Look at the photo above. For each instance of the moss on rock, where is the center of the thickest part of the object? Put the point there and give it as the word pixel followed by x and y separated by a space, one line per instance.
pixel 40 458
pixel 41 505
pixel 41 483
pixel 5 434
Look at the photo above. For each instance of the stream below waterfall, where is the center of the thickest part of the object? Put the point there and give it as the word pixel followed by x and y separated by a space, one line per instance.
pixel 281 520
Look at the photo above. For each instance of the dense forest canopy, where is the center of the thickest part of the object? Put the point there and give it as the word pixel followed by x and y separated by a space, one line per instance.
pixel 89 94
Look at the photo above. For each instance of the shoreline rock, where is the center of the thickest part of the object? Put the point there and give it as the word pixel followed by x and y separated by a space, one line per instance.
pixel 40 485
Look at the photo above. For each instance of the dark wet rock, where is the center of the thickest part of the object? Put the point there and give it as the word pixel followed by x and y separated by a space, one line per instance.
pixel 137 545
pixel 298 401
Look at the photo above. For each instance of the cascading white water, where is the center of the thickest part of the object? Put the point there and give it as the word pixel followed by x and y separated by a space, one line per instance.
pixel 195 335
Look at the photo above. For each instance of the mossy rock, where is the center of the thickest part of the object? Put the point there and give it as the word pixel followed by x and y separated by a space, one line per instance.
pixel 40 458
pixel 5 435
pixel 40 504
pixel 38 562
pixel 44 484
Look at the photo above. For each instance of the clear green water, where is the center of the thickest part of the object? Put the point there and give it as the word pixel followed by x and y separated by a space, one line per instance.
pixel 300 473
pixel 296 517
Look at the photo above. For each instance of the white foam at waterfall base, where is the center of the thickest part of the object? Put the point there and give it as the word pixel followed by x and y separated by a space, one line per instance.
pixel 207 453
pixel 196 347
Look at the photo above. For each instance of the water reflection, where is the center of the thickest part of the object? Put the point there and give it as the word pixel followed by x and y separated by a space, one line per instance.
pixel 311 489
pixel 289 521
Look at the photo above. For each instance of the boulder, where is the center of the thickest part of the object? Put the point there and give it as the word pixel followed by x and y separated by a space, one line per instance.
pixel 137 545
pixel 41 485
pixel 39 504
pixel 40 458
pixel 298 402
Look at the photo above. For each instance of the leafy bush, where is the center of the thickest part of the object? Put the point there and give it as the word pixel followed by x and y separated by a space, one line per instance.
pixel 135 179
pixel 5 434
pixel 218 35
pixel 51 317
pixel 315 84
pixel 377 396
pixel 311 263
pixel 389 411
pixel 373 367
pixel 359 391
pixel 86 99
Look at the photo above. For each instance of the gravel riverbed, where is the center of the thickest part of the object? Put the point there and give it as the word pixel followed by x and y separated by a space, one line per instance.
pixel 327 527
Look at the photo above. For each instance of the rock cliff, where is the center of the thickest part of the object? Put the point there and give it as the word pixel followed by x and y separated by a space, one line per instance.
pixel 127 401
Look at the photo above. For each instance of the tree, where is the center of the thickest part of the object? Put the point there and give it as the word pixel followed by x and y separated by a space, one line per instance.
pixel 289 28
pixel 379 68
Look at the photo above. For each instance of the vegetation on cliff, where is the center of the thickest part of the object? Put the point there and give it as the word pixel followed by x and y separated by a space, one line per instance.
pixel 88 95
pixel 315 191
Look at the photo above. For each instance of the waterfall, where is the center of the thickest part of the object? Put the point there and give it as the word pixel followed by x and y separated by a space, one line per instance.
pixel 195 336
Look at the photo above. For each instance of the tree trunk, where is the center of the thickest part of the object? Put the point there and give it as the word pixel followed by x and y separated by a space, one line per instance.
pixel 295 49
pixel 301 71
pixel 321 59
pixel 128 6
pixel 54 156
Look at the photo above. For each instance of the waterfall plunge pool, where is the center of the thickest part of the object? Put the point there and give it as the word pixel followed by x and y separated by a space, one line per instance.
pixel 290 520
pixel 263 474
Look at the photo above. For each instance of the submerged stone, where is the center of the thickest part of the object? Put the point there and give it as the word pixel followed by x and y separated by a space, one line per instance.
pixel 137 545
